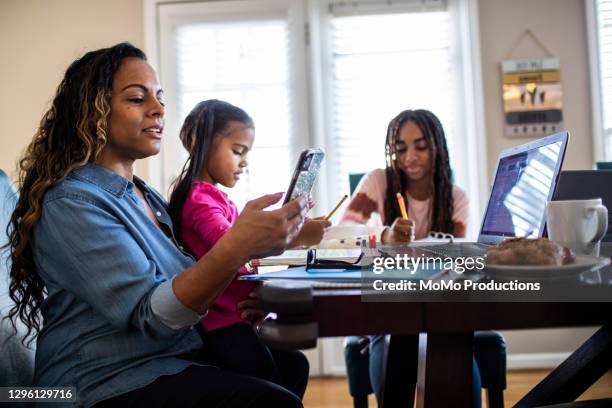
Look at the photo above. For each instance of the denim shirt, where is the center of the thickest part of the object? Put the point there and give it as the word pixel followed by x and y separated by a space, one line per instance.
pixel 106 268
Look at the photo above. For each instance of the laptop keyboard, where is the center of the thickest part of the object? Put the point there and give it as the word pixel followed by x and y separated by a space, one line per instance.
pixel 457 250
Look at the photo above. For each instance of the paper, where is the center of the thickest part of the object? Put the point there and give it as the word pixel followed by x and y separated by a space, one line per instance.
pixel 298 256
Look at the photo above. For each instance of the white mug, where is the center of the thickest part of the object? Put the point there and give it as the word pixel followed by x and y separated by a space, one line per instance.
pixel 577 224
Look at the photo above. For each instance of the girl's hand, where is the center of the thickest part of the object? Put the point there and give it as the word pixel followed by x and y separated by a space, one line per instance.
pixel 249 310
pixel 400 231
pixel 311 233
pixel 258 233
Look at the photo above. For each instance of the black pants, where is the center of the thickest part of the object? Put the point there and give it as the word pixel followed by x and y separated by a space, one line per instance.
pixel 206 387
pixel 237 348
pixel 246 374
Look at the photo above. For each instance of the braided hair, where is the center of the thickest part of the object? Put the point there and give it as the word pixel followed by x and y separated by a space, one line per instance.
pixel 205 121
pixel 441 175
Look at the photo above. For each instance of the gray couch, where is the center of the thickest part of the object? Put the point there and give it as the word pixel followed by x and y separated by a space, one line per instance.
pixel 16 361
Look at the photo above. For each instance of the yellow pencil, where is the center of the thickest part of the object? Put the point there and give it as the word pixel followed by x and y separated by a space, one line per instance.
pixel 402 206
pixel 328 216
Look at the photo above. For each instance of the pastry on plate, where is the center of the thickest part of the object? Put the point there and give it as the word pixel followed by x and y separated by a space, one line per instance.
pixel 529 251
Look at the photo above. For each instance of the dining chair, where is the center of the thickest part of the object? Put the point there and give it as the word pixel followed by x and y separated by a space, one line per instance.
pixel 489 351
pixel 603 165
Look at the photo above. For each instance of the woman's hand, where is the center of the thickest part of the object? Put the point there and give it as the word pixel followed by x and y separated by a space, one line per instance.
pixel 258 233
pixel 255 234
pixel 400 231
pixel 311 233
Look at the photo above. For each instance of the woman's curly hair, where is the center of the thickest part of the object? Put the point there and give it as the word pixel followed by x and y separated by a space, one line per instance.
pixel 71 134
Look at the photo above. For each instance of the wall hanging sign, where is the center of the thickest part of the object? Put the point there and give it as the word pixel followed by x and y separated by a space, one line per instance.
pixel 532 96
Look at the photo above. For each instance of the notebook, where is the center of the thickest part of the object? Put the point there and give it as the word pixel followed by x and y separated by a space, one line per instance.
pixel 296 257
pixel 525 179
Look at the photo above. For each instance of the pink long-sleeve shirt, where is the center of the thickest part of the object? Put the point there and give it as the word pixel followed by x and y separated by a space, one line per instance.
pixel 367 206
pixel 207 215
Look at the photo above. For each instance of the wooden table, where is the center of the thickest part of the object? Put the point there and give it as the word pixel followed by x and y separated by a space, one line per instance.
pixel 445 357
pixel 445 353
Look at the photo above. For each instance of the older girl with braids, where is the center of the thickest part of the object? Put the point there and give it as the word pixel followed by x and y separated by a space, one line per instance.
pixel 97 272
pixel 418 168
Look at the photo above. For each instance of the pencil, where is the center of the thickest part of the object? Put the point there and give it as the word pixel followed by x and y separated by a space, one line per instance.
pixel 328 216
pixel 402 205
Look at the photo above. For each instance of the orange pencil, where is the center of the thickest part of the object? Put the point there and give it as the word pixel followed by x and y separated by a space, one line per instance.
pixel 402 206
pixel 328 216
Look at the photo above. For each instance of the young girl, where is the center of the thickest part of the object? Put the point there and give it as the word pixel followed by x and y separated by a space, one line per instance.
pixel 418 168
pixel 218 136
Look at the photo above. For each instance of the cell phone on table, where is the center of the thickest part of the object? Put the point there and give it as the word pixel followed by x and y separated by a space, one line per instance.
pixel 305 174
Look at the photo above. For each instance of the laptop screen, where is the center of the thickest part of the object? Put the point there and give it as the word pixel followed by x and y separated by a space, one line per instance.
pixel 523 184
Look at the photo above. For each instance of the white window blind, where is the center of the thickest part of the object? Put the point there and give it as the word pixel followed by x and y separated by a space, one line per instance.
pixel 366 61
pixel 604 31
pixel 250 54
pixel 383 64
pixel 244 63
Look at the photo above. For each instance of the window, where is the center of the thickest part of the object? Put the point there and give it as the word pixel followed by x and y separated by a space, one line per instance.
pixel 383 64
pixel 321 73
pixel 210 51
pixel 599 23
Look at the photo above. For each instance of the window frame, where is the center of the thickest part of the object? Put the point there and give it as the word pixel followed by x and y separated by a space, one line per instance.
pixel 315 101
pixel 469 98
pixel 160 38
pixel 597 126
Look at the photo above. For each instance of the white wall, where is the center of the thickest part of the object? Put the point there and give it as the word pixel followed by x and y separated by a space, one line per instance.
pixel 38 40
pixel 561 27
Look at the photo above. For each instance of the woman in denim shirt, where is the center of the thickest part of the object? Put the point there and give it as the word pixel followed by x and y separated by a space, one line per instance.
pixel 93 252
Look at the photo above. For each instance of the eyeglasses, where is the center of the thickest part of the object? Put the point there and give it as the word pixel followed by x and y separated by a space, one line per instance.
pixel 313 263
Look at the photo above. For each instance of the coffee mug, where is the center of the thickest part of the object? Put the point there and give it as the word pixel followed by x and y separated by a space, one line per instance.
pixel 578 224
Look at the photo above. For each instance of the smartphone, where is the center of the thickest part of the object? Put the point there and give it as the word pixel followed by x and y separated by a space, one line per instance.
pixel 305 173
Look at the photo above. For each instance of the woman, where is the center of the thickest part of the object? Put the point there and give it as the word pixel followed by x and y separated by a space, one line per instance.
pixel 93 251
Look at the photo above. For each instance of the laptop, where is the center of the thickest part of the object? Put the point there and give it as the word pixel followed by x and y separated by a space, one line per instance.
pixel 584 185
pixel 525 179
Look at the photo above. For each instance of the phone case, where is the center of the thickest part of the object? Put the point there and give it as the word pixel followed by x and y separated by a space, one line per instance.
pixel 304 180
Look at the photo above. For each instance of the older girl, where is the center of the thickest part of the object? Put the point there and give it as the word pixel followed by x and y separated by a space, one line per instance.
pixel 418 168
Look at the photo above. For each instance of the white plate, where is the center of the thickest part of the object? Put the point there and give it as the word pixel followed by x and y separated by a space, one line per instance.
pixel 583 263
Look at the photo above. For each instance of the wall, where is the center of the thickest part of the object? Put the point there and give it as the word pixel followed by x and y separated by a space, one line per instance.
pixel 38 39
pixel 561 27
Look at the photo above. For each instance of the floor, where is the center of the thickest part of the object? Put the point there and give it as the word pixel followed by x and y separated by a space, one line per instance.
pixel 332 392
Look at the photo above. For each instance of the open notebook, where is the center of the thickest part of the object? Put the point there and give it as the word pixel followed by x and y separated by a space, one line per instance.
pixel 297 257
